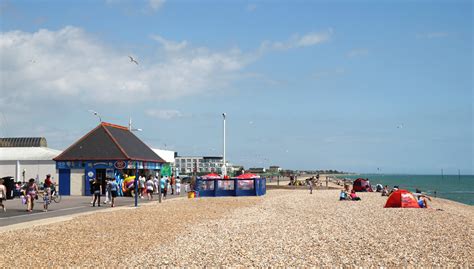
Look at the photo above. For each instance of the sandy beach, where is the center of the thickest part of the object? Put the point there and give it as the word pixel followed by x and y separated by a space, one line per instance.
pixel 282 228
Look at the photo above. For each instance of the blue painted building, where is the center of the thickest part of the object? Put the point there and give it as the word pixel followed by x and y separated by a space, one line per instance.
pixel 108 151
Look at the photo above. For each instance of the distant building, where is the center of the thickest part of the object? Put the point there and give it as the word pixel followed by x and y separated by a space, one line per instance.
pixel 198 164
pixel 255 170
pixel 274 169
pixel 27 157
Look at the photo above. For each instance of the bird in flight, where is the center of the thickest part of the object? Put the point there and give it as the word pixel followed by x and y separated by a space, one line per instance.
pixel 132 60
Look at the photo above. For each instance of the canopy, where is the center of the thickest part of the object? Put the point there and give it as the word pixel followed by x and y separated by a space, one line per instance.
pixel 211 176
pixel 248 176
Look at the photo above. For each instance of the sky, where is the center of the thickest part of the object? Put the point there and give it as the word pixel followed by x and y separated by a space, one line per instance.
pixel 359 86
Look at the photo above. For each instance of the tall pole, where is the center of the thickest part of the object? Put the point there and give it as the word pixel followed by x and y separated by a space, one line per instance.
pixel 224 169
pixel 130 123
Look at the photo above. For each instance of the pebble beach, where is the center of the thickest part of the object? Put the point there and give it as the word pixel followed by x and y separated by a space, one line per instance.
pixel 286 227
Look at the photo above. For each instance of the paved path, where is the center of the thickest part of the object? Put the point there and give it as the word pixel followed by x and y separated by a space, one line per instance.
pixel 69 205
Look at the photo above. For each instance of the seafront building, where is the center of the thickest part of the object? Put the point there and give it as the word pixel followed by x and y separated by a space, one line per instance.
pixel 198 164
pixel 108 151
pixel 27 157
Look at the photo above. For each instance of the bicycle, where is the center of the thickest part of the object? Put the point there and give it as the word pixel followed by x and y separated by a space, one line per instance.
pixel 55 196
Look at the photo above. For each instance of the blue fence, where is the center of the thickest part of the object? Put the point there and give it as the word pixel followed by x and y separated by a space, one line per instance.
pixel 231 187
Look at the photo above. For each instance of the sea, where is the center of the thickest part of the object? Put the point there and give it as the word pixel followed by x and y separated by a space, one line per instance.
pixel 459 188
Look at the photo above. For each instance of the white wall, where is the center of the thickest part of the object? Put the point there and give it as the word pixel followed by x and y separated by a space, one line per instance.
pixel 33 169
pixel 77 182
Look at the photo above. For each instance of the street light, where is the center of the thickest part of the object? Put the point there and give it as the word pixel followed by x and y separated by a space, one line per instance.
pixel 96 114
pixel 130 126
pixel 224 169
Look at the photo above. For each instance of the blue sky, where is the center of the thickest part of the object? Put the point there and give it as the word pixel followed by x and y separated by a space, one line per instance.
pixel 347 85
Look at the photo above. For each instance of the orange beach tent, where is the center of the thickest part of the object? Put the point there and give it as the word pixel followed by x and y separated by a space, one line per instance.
pixel 402 198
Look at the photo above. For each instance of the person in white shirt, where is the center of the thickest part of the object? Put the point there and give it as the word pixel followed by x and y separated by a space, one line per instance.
pixel 178 186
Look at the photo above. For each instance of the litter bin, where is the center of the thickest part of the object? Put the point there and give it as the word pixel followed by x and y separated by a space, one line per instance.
pixel 191 194
pixel 9 183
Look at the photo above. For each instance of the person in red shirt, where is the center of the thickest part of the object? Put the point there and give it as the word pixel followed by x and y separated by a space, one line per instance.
pixel 47 189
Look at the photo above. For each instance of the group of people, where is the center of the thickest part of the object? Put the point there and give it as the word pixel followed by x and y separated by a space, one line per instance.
pixel 345 195
pixel 29 193
pixel 147 186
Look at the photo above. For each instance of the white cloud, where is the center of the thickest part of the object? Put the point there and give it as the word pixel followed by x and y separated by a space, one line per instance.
pixel 296 41
pixel 156 4
pixel 71 63
pixel 357 52
pixel 164 114
pixel 433 35
pixel 170 45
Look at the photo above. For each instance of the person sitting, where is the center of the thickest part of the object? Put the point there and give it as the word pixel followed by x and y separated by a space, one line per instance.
pixel 353 196
pixel 423 200
pixel 343 196
pixel 385 191
pixel 395 188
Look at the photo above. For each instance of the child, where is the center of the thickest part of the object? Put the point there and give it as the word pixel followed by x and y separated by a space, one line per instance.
pixel 46 200
pixel 354 196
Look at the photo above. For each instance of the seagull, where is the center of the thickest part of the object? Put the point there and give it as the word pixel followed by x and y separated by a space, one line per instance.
pixel 400 126
pixel 132 60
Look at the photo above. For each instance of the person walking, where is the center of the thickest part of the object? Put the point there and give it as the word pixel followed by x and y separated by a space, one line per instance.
pixel 31 194
pixel 3 194
pixel 141 186
pixel 113 191
pixel 149 188
pixel 97 188
pixel 163 187
pixel 108 195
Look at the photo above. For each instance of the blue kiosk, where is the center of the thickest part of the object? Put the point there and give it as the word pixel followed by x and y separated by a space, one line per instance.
pixel 244 185
pixel 108 151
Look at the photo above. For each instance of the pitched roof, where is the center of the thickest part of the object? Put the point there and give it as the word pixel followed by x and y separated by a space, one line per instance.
pixel 27 154
pixel 109 142
pixel 23 142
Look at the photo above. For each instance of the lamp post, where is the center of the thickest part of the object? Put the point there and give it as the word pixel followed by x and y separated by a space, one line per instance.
pixel 224 169
pixel 96 114
pixel 130 126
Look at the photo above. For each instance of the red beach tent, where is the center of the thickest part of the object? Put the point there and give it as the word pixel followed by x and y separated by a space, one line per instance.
pixel 361 184
pixel 402 198
pixel 248 176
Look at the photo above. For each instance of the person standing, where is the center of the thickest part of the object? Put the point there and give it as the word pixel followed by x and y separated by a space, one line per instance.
pixel 178 185
pixel 3 195
pixel 97 190
pixel 172 184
